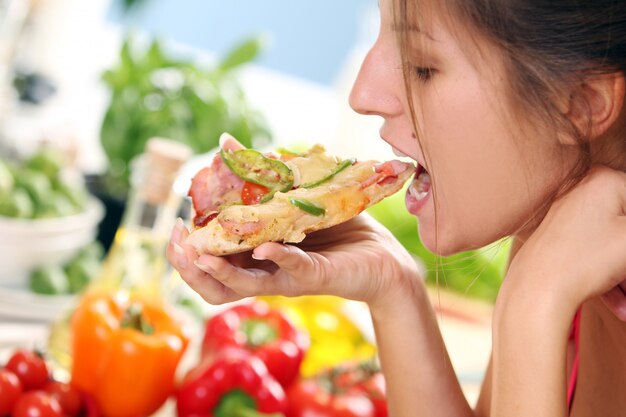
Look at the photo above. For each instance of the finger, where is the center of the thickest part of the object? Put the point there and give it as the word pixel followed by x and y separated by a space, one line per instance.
pixel 182 257
pixel 245 260
pixel 287 256
pixel 295 262
pixel 244 281
pixel 228 142
pixel 175 253
pixel 210 289
pixel 179 231
pixel 176 256
pixel 615 300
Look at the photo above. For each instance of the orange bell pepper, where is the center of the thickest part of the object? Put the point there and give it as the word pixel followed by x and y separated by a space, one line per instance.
pixel 125 354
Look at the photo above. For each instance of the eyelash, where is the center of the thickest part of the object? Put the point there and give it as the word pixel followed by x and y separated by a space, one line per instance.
pixel 424 74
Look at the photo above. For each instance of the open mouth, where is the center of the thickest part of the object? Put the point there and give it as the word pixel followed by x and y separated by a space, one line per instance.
pixel 418 190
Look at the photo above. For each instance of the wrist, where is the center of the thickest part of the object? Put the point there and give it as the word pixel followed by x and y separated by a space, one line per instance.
pixel 407 288
pixel 533 305
pixel 557 283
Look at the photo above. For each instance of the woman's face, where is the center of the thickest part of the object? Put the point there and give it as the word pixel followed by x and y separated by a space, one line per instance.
pixel 490 171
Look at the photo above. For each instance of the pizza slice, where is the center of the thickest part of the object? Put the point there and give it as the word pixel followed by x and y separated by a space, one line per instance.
pixel 245 198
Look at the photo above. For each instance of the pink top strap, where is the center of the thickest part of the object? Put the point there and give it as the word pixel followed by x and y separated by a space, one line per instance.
pixel 574 375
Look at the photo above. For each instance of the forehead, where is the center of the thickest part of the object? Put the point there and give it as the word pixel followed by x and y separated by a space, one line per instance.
pixel 419 13
pixel 411 19
pixel 438 25
pixel 434 34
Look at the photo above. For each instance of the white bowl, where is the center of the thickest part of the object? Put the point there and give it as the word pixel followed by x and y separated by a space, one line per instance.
pixel 26 244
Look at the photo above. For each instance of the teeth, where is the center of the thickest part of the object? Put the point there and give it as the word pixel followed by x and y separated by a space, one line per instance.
pixel 397 152
pixel 421 186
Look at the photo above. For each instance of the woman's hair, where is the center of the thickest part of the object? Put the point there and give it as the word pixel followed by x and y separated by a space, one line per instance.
pixel 546 45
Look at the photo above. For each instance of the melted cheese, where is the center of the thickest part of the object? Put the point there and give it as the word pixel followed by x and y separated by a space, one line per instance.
pixel 312 167
pixel 240 214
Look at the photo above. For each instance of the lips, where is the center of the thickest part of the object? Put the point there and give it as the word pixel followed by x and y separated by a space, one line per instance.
pixel 419 190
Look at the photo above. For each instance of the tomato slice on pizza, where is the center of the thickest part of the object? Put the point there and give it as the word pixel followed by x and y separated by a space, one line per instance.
pixel 245 198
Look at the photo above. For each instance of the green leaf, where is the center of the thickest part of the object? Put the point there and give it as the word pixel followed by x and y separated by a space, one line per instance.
pixel 208 103
pixel 241 54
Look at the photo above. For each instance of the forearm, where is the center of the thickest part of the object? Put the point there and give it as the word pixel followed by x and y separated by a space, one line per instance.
pixel 419 375
pixel 530 336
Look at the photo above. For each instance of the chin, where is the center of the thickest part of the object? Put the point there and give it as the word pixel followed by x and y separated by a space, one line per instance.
pixel 445 243
pixel 439 245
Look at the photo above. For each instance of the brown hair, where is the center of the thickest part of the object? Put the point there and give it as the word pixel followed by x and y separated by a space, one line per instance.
pixel 546 45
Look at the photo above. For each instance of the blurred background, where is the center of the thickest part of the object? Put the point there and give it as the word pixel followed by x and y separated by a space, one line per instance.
pixel 96 79
pixel 56 51
pixel 85 84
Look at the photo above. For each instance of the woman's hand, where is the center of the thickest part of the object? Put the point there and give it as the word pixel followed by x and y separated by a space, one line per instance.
pixel 359 260
pixel 579 249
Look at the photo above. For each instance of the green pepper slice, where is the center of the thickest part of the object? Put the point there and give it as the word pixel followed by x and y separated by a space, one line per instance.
pixel 340 167
pixel 252 166
pixel 307 206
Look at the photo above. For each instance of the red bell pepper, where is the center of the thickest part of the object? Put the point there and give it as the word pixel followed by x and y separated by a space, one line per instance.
pixel 263 331
pixel 233 384
pixel 343 391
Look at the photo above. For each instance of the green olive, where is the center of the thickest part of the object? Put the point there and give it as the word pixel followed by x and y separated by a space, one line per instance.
pixel 17 203
pixel 80 271
pixel 47 161
pixel 36 184
pixel 49 280
pixel 55 204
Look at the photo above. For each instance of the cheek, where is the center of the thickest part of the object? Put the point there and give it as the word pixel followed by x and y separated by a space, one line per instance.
pixel 478 167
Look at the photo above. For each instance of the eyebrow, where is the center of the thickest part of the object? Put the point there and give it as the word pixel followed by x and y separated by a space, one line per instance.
pixel 412 28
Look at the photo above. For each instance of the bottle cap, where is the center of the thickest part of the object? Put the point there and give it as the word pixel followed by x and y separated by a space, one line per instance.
pixel 163 159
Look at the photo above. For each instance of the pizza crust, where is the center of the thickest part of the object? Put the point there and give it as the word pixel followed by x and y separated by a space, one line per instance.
pixel 240 228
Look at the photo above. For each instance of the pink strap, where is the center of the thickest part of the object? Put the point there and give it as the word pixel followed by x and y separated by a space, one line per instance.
pixel 574 375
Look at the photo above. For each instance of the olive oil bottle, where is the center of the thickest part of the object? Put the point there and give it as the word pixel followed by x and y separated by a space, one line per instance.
pixel 135 264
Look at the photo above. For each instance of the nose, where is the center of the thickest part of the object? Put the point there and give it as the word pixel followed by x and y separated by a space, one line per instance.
pixel 378 85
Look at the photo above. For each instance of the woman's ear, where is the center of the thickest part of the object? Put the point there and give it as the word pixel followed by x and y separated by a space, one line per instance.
pixel 596 104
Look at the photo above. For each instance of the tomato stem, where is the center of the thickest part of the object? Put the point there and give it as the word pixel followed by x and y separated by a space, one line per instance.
pixel 239 404
pixel 250 412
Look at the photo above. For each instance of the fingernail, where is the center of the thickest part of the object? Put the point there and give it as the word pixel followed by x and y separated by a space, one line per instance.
pixel 205 263
pixel 181 256
pixel 224 137
pixel 258 257
pixel 203 267
pixel 176 233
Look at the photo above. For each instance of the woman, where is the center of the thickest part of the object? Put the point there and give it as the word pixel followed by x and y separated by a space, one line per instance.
pixel 514 111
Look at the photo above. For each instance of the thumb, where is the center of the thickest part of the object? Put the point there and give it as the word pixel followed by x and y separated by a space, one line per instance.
pixel 290 259
pixel 228 142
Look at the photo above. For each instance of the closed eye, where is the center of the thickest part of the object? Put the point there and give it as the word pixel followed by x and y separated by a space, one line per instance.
pixel 423 73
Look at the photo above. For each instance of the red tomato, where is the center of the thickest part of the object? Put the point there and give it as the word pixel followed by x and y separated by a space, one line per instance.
pixel 252 193
pixel 10 390
pixel 37 404
pixel 30 368
pixel 375 389
pixel 309 397
pixel 67 396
